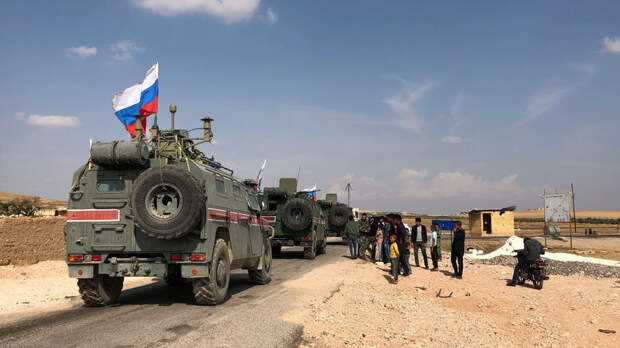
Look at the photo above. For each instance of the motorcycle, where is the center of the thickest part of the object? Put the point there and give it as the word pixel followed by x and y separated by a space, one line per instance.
pixel 535 272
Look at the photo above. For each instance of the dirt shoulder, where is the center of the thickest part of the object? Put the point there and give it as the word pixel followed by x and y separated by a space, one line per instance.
pixel 29 240
pixel 354 304
pixel 43 287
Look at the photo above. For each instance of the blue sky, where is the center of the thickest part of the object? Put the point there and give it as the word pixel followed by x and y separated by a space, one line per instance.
pixel 425 106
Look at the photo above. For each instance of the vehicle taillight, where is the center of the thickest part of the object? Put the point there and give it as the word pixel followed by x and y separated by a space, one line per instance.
pixel 96 257
pixel 197 257
pixel 176 257
pixel 297 238
pixel 308 238
pixel 76 258
pixel 540 263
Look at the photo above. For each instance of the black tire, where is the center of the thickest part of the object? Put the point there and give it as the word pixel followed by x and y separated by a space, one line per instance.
pixel 263 276
pixel 297 214
pixel 276 249
pixel 213 290
pixel 339 215
pixel 537 279
pixel 169 184
pixel 101 290
pixel 310 252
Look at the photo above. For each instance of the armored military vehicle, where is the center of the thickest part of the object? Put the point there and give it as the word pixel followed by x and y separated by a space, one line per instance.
pixel 297 219
pixel 337 215
pixel 161 208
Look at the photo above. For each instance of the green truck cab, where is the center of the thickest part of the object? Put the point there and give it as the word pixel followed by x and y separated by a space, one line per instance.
pixel 297 220
pixel 161 208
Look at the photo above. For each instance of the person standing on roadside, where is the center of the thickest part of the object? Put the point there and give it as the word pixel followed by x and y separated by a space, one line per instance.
pixel 394 257
pixel 458 249
pixel 400 232
pixel 419 238
pixel 406 254
pixel 387 230
pixel 364 228
pixel 434 245
pixel 352 232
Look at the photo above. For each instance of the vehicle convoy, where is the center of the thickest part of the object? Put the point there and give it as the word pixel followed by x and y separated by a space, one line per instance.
pixel 297 219
pixel 161 208
pixel 337 215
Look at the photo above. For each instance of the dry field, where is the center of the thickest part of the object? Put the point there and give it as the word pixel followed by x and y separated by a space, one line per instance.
pixel 43 203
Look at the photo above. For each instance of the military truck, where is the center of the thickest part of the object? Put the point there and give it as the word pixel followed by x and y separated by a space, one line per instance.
pixel 337 215
pixel 297 219
pixel 161 208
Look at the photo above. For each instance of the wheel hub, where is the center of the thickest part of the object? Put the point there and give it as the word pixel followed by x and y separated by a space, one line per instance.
pixel 164 201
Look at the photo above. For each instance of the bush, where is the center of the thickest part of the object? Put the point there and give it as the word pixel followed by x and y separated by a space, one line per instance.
pixel 24 207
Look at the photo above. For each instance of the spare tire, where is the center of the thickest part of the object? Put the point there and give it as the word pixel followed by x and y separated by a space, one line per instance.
pixel 339 215
pixel 167 202
pixel 297 214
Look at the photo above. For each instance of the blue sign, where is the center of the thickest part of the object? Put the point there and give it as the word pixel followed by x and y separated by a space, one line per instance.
pixel 444 225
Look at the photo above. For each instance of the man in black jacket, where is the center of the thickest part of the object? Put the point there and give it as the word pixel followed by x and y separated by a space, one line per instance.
pixel 401 240
pixel 458 249
pixel 419 238
pixel 532 249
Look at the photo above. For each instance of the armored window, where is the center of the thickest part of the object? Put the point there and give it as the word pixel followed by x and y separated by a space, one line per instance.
pixel 219 186
pixel 253 203
pixel 110 185
pixel 236 191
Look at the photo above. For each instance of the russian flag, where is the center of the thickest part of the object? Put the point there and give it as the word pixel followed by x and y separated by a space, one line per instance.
pixel 140 99
pixel 259 177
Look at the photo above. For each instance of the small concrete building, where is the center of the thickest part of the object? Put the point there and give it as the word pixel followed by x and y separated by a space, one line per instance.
pixel 492 222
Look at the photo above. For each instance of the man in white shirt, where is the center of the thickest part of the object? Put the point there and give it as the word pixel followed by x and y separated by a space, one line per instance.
pixel 419 238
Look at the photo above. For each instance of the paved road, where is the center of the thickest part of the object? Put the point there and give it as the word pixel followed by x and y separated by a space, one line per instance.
pixel 158 315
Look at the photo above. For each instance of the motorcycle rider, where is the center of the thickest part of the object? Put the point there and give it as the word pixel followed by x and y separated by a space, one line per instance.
pixel 532 249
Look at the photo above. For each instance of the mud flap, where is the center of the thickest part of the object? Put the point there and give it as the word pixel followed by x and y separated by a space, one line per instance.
pixel 195 271
pixel 81 271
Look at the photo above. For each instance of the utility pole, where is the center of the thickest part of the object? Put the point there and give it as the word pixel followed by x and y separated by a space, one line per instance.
pixel 572 191
pixel 348 188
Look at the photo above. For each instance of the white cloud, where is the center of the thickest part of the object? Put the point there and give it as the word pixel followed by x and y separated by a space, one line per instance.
pixel 452 139
pixel 611 44
pixel 542 102
pixel 124 50
pixel 403 105
pixel 230 11
pixel 455 184
pixel 53 121
pixel 271 16
pixel 455 108
pixel 19 115
pixel 81 52
pixel 589 69
pixel 412 174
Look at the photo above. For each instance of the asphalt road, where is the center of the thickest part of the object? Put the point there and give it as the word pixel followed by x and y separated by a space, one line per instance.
pixel 158 315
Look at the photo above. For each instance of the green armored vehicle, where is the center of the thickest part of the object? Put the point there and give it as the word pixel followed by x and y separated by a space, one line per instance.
pixel 163 209
pixel 337 215
pixel 297 219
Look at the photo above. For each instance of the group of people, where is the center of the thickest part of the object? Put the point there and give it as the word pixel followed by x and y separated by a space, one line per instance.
pixel 390 241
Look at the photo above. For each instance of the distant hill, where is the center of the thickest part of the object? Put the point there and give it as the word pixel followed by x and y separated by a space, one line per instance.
pixel 43 203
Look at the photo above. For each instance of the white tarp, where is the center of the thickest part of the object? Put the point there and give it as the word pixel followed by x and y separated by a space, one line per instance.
pixel 557 207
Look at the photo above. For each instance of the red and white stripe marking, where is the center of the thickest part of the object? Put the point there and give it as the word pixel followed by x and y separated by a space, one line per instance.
pixel 93 215
pixel 219 215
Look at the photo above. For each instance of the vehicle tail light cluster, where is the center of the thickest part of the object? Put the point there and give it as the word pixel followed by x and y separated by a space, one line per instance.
pixel 197 257
pixel 76 258
pixel 308 238
pixel 95 257
pixel 176 257
pixel 540 263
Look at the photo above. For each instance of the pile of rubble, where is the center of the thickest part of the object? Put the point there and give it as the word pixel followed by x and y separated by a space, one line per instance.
pixel 566 268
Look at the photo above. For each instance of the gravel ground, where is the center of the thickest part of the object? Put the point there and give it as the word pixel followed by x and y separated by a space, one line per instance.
pixel 561 268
